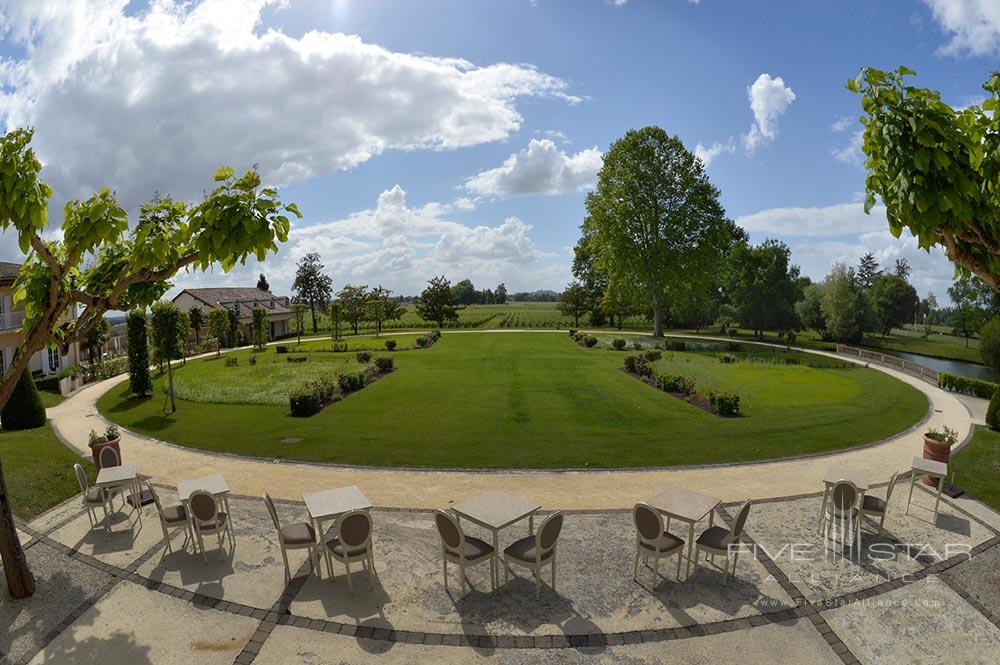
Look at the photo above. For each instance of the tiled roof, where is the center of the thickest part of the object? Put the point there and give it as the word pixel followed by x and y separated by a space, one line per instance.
pixel 246 297
pixel 8 271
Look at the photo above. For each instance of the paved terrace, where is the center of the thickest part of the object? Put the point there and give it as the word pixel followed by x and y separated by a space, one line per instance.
pixel 125 599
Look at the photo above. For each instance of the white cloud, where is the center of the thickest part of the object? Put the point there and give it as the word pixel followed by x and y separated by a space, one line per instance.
pixel 821 236
pixel 842 123
pixel 708 155
pixel 828 221
pixel 401 246
pixel 851 153
pixel 541 168
pixel 974 25
pixel 769 99
pixel 157 100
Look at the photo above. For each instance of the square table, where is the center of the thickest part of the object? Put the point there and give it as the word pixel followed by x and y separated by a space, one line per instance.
pixel 215 485
pixel 838 473
pixel 689 507
pixel 121 476
pixel 932 468
pixel 495 511
pixel 331 504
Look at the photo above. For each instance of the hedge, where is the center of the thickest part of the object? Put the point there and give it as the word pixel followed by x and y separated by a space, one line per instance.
pixel 967 386
pixel 24 408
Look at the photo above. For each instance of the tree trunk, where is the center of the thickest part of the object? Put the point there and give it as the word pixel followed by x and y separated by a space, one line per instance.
pixel 312 310
pixel 20 581
pixel 170 386
pixel 657 318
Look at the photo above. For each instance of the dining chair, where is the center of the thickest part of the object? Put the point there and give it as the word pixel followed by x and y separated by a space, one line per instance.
pixel 93 497
pixel 206 519
pixel 842 513
pixel 462 550
pixel 652 539
pixel 536 551
pixel 877 507
pixel 720 540
pixel 170 517
pixel 293 536
pixel 352 542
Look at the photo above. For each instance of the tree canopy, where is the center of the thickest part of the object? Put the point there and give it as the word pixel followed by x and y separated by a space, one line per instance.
pixel 936 168
pixel 436 302
pixel 764 286
pixel 654 218
pixel 312 286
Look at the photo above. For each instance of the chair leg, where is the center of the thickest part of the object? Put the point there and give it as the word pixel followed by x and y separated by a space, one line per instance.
pixel 656 567
pixel 166 537
pixel 538 585
pixel 284 557
pixel 444 571
pixel 506 571
pixel 679 564
pixel 553 571
pixel 461 573
pixel 371 572
pixel 635 570
pixel 350 585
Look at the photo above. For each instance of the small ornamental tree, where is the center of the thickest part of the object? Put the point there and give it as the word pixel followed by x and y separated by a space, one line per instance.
pixel 218 326
pixel 24 409
pixel 196 317
pixel 355 303
pixel 989 343
pixel 233 326
pixel 99 263
pixel 436 302
pixel 299 317
pixel 575 302
pixel 93 342
pixel 140 383
pixel 168 328
pixel 382 308
pixel 336 318
pixel 993 411
pixel 259 326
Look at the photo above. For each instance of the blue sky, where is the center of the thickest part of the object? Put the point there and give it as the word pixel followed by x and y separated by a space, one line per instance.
pixel 460 137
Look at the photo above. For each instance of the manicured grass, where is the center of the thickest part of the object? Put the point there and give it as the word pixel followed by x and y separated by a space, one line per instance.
pixel 50 398
pixel 936 345
pixel 538 400
pixel 38 469
pixel 977 467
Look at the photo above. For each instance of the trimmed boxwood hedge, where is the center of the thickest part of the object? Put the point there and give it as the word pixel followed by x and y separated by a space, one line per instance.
pixel 967 386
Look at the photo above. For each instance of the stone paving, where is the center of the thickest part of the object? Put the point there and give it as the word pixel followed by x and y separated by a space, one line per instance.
pixel 124 598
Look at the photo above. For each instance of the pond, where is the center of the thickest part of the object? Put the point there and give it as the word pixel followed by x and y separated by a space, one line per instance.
pixel 966 369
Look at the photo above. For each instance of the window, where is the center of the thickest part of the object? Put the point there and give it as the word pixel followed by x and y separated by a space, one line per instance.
pixel 55 362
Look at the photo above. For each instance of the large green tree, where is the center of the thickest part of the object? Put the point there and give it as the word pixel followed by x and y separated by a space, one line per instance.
pixel 844 306
pixel 764 286
pixel 893 302
pixel 99 264
pixel 382 307
pixel 436 302
pixel 654 218
pixel 936 168
pixel 312 286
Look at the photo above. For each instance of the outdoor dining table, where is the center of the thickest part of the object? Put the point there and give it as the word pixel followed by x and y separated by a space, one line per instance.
pixel 330 504
pixel 495 511
pixel 215 485
pixel 835 474
pixel 121 476
pixel 689 507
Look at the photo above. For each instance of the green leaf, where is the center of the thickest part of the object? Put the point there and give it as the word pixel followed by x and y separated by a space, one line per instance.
pixel 223 173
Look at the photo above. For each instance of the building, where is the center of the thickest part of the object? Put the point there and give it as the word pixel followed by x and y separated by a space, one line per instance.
pixel 278 308
pixel 45 362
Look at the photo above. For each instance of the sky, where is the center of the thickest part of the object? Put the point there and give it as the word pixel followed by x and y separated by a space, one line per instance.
pixel 460 138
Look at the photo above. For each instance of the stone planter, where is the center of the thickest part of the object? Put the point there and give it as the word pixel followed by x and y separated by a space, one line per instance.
pixel 65 385
pixel 937 451
pixel 96 448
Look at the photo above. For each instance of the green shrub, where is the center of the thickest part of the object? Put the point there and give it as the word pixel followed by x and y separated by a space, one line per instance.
pixel 652 355
pixel 578 337
pixel 732 347
pixel 967 386
pixel 351 381
pixel 364 356
pixel 724 403
pixel 572 332
pixel 675 383
pixel 296 359
pixel 618 343
pixel 727 358
pixel 423 342
pixel 637 364
pixel 281 348
pixel 233 361
pixel 637 345
pixel 312 397
pixel 384 364
pixel 339 347
pixel 106 369
pixel 24 409
pixel 993 412
pixel 390 345
pixel 792 361
pixel 590 341
pixel 676 345
pixel 48 384
pixel 140 383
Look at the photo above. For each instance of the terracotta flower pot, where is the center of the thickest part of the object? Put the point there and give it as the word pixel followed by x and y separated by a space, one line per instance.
pixel 937 451
pixel 96 448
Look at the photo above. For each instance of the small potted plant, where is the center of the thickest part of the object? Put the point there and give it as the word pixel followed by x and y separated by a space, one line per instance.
pixel 937 447
pixel 97 442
